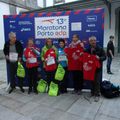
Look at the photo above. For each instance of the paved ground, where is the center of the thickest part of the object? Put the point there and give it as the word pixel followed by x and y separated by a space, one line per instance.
pixel 18 106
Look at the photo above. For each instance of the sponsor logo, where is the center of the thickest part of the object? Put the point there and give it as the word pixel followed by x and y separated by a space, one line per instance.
pixel 91 31
pixel 92 18
pixel 91 25
pixel 12 26
pixel 24 23
pixel 25 29
pixel 12 21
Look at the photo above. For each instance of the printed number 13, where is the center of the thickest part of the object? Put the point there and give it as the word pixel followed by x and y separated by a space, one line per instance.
pixel 60 21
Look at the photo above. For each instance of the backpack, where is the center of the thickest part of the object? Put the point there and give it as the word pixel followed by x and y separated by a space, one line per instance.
pixel 109 90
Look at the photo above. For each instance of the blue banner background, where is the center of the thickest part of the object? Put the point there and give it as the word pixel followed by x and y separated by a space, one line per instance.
pixel 92 20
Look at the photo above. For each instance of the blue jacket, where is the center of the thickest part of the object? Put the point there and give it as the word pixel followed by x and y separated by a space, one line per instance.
pixel 62 53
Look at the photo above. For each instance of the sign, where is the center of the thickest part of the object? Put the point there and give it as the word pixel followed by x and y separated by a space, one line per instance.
pixel 52 27
pixel 55 25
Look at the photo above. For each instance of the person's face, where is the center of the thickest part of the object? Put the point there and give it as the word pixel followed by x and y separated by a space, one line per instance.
pixel 12 39
pixel 112 39
pixel 30 43
pixel 49 42
pixel 92 42
pixel 62 44
pixel 75 38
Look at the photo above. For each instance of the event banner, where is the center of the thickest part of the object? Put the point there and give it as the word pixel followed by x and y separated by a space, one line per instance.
pixel 52 27
pixel 55 25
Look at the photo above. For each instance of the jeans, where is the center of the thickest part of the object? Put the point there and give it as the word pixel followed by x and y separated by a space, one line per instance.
pixel 109 61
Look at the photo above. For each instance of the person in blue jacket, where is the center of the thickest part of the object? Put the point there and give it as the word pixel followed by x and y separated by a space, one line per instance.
pixel 62 59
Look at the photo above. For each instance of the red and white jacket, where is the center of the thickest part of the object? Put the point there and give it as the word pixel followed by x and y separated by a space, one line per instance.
pixel 50 60
pixel 31 57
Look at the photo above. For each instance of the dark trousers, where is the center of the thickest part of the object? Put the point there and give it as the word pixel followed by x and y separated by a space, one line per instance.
pixel 77 79
pixel 63 83
pixel 33 77
pixel 12 73
pixel 109 62
pixel 50 76
pixel 95 89
pixel 20 82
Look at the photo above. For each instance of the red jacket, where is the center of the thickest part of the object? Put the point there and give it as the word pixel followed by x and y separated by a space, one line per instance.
pixel 73 55
pixel 50 60
pixel 90 64
pixel 31 57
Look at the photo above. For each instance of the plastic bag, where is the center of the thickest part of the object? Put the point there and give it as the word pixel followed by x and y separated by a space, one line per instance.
pixel 53 89
pixel 42 85
pixel 59 75
pixel 20 70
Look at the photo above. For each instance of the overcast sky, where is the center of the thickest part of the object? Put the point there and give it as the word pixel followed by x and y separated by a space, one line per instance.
pixel 50 2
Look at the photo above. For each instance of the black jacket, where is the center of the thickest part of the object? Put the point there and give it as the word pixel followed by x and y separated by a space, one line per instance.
pixel 99 52
pixel 18 46
pixel 110 46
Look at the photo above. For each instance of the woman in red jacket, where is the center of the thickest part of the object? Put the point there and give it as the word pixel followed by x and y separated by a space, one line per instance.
pixel 49 56
pixel 30 54
pixel 74 52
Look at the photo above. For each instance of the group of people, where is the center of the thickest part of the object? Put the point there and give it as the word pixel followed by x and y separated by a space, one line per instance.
pixel 82 63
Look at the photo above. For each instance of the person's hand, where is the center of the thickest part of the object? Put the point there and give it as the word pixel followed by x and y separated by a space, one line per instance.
pixel 7 57
pixel 19 60
pixel 112 56
pixel 97 57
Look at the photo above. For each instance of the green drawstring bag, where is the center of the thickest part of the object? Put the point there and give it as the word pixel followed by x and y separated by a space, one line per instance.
pixel 42 85
pixel 20 70
pixel 53 89
pixel 59 75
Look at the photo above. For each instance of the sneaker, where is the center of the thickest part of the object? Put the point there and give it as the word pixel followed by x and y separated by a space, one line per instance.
pixel 35 91
pixel 63 91
pixel 22 90
pixel 96 99
pixel 29 91
pixel 11 90
pixel 74 91
pixel 110 73
pixel 79 92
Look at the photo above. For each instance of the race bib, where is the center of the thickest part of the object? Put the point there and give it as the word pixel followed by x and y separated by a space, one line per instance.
pixel 50 61
pixel 13 56
pixel 62 58
pixel 32 60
